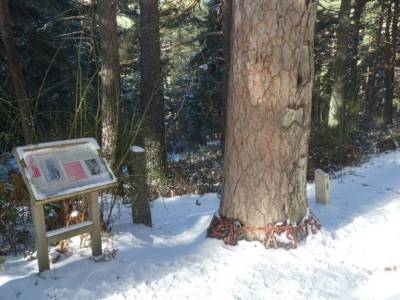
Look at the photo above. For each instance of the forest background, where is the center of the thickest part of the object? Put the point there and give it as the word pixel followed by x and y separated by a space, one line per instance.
pixel 52 80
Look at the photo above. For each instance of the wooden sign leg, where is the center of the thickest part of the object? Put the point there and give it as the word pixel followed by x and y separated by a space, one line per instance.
pixel 40 237
pixel 94 216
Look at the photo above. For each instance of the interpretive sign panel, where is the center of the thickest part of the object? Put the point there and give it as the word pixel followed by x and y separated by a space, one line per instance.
pixel 60 170
pixel 57 169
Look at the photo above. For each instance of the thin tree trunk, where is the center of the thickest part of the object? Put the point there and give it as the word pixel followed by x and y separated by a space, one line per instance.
pixel 390 59
pixel 226 29
pixel 139 192
pixel 18 80
pixel 337 102
pixel 325 101
pixel 151 91
pixel 374 54
pixel 354 83
pixel 316 114
pixel 268 112
pixel 395 32
pixel 110 81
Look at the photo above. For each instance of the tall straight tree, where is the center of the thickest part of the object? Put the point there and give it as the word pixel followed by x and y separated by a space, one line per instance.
pixel 110 80
pixel 152 104
pixel 17 77
pixel 337 102
pixel 373 66
pixel 358 6
pixel 268 112
pixel 226 29
pixel 390 58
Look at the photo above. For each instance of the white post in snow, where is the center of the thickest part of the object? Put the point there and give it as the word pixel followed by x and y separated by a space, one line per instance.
pixel 322 187
pixel 2 260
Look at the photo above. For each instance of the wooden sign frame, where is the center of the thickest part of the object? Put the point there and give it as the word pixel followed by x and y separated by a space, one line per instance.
pixel 92 182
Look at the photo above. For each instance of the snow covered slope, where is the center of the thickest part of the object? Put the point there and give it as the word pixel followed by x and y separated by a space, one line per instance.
pixel 356 256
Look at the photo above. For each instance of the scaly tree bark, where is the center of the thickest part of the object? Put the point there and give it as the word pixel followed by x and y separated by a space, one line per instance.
pixel 110 81
pixel 390 59
pixel 337 102
pixel 17 77
pixel 268 112
pixel 151 90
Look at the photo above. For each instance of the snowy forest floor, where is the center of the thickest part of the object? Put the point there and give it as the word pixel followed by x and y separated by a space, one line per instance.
pixel 355 256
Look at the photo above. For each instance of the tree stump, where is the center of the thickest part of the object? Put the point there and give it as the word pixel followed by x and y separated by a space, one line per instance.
pixel 138 191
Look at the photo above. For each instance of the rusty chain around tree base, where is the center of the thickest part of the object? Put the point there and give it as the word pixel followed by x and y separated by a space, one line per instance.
pixel 231 231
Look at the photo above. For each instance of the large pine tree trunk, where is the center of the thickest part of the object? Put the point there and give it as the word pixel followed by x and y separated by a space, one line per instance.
pixel 268 111
pixel 17 77
pixel 110 81
pixel 390 59
pixel 337 102
pixel 151 90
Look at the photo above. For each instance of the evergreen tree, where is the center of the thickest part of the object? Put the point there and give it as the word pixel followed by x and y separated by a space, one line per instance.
pixel 268 113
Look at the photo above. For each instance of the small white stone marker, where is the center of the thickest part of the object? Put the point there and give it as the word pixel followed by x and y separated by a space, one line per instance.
pixel 322 187
pixel 2 261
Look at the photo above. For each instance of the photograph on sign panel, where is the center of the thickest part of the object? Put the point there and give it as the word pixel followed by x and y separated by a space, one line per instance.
pixel 51 170
pixel 74 170
pixel 93 166
pixel 33 167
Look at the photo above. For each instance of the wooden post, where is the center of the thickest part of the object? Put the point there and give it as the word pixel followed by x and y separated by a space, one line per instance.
pixel 40 236
pixel 322 187
pixel 138 192
pixel 94 216
pixel 43 238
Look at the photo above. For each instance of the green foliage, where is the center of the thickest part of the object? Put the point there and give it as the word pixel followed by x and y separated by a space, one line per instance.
pixel 196 94
pixel 57 43
pixel 334 148
pixel 14 216
pixel 199 171
pixel 329 152
pixel 8 214
pixel 56 50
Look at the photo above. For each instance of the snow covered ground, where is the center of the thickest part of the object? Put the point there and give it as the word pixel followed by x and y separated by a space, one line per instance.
pixel 355 256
